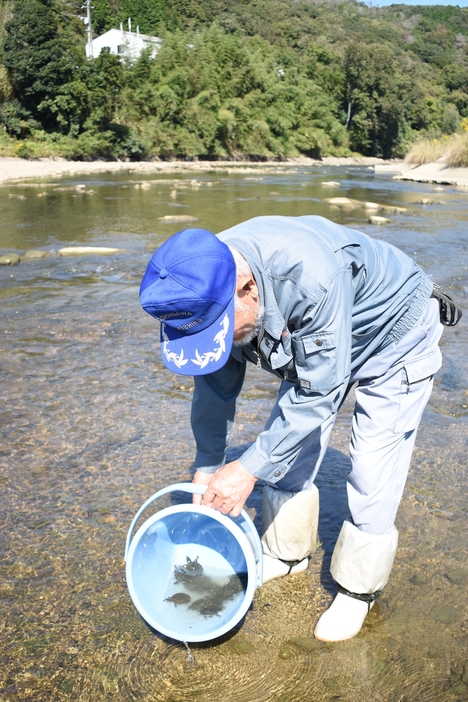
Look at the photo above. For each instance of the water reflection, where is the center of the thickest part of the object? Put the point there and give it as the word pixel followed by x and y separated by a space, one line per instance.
pixel 93 424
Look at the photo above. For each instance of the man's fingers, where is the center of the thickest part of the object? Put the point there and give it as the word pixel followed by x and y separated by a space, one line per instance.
pixel 208 497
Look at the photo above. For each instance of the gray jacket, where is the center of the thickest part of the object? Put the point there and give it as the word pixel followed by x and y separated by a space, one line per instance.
pixel 333 298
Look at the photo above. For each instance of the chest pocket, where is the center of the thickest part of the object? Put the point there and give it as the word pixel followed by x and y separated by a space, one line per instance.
pixel 279 356
pixel 316 353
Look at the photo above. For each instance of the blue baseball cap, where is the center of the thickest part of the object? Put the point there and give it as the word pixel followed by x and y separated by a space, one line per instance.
pixel 189 286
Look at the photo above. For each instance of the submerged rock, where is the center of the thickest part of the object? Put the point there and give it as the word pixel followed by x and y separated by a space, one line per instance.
pixel 445 614
pixel 458 576
pixel 419 579
pixel 241 648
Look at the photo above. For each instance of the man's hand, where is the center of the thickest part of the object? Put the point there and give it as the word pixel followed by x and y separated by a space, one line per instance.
pixel 228 488
pixel 201 479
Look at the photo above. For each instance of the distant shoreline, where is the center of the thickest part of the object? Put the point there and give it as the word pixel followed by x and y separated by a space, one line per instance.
pixel 19 169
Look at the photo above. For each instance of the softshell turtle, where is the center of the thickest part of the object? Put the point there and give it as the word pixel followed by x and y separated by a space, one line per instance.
pixel 208 606
pixel 191 569
pixel 234 585
pixel 178 598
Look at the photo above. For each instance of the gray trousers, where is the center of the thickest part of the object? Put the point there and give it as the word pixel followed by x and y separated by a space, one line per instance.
pixel 392 390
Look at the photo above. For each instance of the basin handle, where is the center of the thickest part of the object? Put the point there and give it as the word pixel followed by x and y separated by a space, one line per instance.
pixel 194 488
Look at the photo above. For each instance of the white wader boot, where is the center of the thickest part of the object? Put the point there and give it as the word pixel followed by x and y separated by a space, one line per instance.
pixel 361 565
pixel 289 526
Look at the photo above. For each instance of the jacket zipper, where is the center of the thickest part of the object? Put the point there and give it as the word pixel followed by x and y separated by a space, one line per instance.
pixel 259 357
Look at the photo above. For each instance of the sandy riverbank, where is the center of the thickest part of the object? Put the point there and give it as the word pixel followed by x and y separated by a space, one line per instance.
pixel 18 169
pixel 437 172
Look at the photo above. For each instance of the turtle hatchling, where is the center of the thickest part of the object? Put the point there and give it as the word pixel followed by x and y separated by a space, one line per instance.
pixel 191 569
pixel 178 598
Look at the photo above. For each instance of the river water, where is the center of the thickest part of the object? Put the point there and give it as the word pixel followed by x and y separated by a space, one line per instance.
pixel 93 424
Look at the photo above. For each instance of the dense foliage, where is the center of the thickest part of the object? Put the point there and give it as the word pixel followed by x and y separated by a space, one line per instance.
pixel 258 79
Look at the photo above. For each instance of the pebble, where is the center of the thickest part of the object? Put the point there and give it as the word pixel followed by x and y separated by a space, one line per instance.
pixel 9 259
pixel 464 676
pixel 419 579
pixel 331 183
pixel 306 644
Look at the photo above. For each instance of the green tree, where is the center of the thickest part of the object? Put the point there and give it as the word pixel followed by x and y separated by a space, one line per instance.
pixel 375 111
pixel 43 72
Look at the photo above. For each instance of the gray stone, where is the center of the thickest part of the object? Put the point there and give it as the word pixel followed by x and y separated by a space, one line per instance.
pixel 35 253
pixel 9 259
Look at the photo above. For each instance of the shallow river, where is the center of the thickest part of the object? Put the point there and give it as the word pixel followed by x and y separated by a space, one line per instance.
pixel 93 424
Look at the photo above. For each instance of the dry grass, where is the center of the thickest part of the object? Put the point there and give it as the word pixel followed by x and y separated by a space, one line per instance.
pixel 457 154
pixel 427 151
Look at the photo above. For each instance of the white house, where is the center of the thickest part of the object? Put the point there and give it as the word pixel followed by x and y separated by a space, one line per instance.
pixel 124 44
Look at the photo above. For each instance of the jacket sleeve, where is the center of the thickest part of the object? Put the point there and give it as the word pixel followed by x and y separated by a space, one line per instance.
pixel 322 357
pixel 213 411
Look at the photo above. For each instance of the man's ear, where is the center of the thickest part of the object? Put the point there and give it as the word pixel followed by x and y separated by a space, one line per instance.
pixel 246 285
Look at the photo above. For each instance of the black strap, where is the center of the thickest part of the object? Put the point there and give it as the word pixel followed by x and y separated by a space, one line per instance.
pixel 290 564
pixel 364 597
pixel 450 312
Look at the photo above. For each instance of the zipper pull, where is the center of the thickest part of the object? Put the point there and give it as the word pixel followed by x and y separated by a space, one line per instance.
pixel 259 361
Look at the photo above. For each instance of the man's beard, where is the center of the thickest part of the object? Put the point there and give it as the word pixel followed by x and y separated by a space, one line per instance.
pixel 250 330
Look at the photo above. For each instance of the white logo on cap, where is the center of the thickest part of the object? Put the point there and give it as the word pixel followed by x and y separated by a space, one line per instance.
pixel 202 361
pixel 172 357
pixel 215 355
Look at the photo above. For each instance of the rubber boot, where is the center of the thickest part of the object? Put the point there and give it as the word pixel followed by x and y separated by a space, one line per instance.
pixel 289 526
pixel 361 565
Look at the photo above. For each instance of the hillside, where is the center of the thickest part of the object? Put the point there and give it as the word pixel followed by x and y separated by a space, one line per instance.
pixel 246 79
